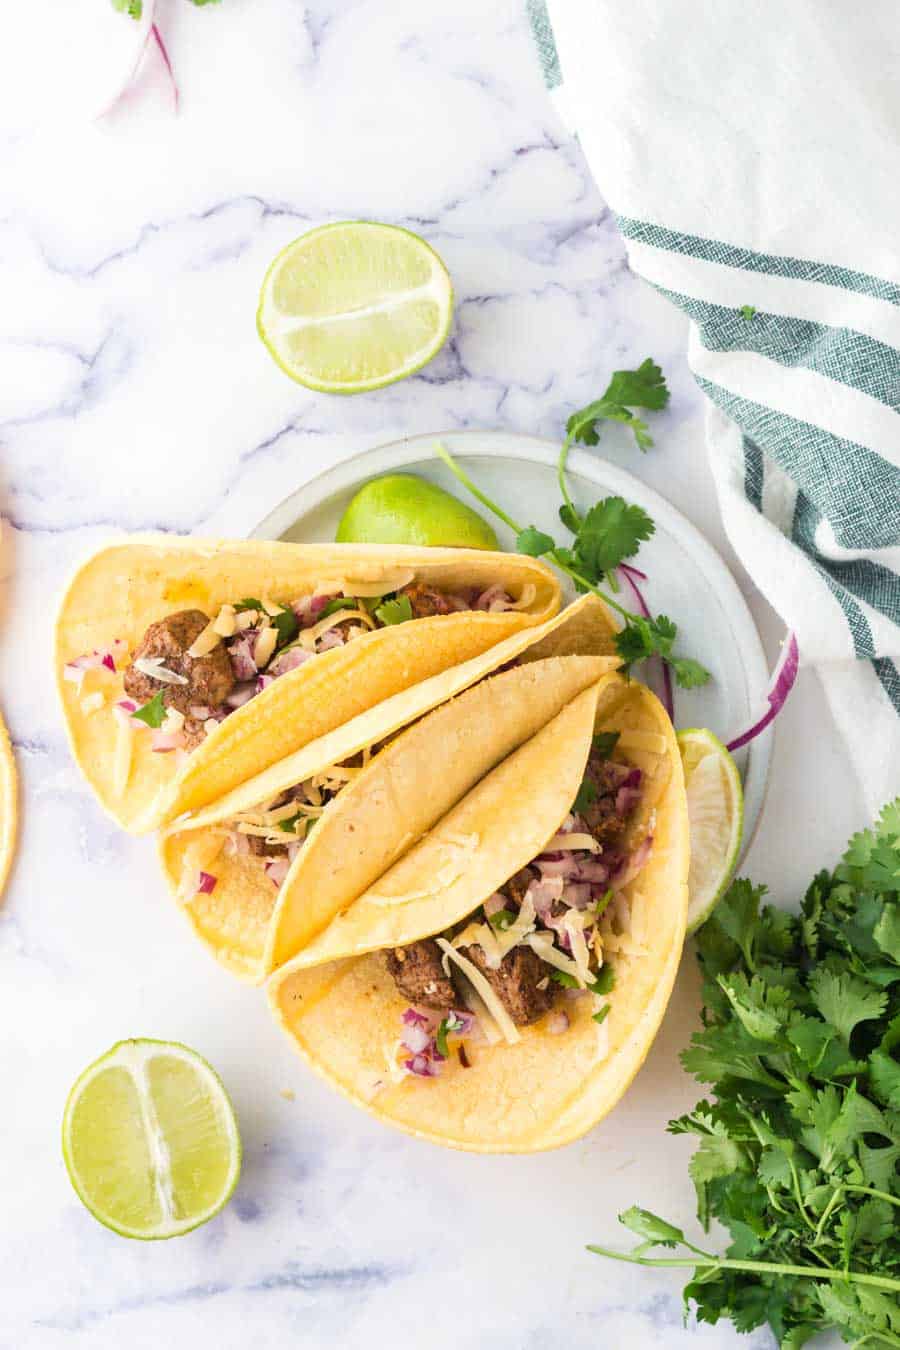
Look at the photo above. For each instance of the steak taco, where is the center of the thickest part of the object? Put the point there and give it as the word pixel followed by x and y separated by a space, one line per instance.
pixel 186 667
pixel 265 869
pixel 505 1005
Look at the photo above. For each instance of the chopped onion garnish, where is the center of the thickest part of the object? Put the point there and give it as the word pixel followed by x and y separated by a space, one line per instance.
pixel 782 682
pixel 558 1023
pixel 309 636
pixel 206 883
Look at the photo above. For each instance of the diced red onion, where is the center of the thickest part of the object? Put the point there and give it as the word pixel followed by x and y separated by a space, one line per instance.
pixel 286 661
pixel 566 866
pixel 206 883
pixel 413 1018
pixel 462 1022
pixel 781 684
pixel 416 1039
pixel 558 1023
pixel 241 694
pixel 494 904
pixel 277 870
pixel 577 894
pixel 125 708
pixel 495 600
pixel 626 799
pixel 422 1066
pixel 173 84
pixel 594 870
pixel 332 637
pixel 241 652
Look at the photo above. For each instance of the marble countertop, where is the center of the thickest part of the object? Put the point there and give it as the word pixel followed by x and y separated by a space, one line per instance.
pixel 135 394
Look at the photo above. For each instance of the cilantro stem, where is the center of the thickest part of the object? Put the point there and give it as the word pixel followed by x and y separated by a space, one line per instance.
pixel 753 1267
pixel 869 1190
pixel 476 491
pixel 826 1213
pixel 799 1198
pixel 561 474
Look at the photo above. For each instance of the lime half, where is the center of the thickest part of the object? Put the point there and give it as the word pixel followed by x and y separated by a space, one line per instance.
pixel 150 1140
pixel 403 509
pixel 354 306
pixel 716 814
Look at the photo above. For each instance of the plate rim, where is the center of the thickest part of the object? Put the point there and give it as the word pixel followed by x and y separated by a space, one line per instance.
pixel 390 456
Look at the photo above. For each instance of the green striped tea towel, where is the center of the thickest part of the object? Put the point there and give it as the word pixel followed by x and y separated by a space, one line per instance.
pixel 751 153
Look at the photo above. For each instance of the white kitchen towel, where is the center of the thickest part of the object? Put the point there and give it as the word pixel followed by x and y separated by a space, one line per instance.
pixel 751 153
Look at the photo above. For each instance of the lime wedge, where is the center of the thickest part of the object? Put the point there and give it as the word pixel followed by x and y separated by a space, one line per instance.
pixel 150 1140
pixel 354 306
pixel 716 813
pixel 403 509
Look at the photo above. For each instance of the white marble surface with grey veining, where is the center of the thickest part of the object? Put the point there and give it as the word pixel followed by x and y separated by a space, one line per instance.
pixel 135 394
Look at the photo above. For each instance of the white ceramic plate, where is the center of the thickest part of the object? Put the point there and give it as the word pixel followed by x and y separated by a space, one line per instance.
pixel 687 578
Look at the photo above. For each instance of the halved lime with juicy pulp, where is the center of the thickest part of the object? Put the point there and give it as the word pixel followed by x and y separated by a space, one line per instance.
pixel 403 509
pixel 354 306
pixel 716 812
pixel 150 1140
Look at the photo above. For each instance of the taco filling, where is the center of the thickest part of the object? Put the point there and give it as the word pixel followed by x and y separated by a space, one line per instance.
pixel 191 669
pixel 537 943
pixel 275 832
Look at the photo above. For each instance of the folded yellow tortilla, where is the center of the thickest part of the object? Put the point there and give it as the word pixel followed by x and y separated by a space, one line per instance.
pixel 342 1010
pixel 251 925
pixel 125 587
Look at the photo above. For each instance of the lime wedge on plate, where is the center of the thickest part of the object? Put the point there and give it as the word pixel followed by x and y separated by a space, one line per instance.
pixel 716 813
pixel 354 306
pixel 150 1140
pixel 403 509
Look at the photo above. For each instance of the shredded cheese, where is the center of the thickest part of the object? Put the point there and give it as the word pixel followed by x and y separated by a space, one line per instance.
pixel 246 619
pixel 574 926
pixel 573 840
pixel 272 609
pixel 266 643
pixel 396 1072
pixel 225 621
pixel 310 636
pixel 370 589
pixel 542 945
pixel 482 935
pixel 483 989
pixel 172 722
pixel 154 668
pixel 205 642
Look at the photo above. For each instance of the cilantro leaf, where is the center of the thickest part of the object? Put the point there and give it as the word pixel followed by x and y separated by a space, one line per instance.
pixel 338 603
pixel 845 1000
pixel 153 713
pixel 604 743
pixel 501 919
pixel 133 8
pixel 440 1037
pixel 287 625
pixel 398 610
pixel 689 674
pixel 651 1227
pixel 612 531
pixel 534 542
pixel 748 312
pixel 641 388
pixel 586 794
pixel 248 603
pixel 602 1015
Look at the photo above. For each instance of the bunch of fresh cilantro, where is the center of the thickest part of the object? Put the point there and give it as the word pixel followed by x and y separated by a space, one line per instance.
pixel 612 530
pixel 800 1143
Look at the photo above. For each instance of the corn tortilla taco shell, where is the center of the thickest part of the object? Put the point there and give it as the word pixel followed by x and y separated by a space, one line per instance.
pixel 340 1007
pixel 126 587
pixel 252 925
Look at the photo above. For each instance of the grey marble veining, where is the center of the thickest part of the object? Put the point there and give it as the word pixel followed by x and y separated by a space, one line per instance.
pixel 134 394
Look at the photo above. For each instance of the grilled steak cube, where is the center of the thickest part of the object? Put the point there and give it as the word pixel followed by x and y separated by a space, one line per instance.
pixel 418 974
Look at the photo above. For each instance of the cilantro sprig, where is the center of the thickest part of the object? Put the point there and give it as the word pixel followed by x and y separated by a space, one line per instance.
pixel 135 8
pixel 799 1145
pixel 611 531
